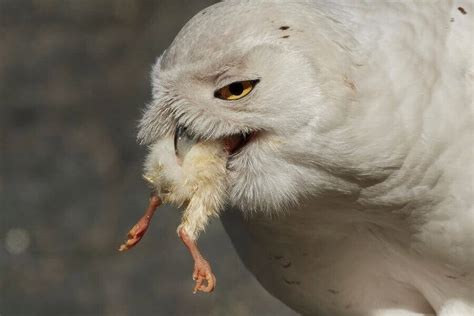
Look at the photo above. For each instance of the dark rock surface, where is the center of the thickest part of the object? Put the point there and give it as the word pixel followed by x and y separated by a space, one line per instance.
pixel 73 81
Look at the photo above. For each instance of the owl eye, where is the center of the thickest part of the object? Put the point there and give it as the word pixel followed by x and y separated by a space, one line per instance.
pixel 236 90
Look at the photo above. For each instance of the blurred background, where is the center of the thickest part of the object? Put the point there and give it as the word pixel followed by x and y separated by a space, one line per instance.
pixel 74 77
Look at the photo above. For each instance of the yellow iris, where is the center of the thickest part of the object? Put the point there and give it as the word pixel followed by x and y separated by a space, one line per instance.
pixel 236 90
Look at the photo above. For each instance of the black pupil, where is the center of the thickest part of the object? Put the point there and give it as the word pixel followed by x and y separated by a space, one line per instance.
pixel 236 88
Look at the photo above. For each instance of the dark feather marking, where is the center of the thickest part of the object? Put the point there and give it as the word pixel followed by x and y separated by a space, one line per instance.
pixel 286 265
pixel 289 282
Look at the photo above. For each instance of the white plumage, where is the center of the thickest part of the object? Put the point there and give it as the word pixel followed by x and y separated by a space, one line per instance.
pixel 354 194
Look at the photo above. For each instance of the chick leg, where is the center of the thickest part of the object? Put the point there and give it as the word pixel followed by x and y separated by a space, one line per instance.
pixel 202 268
pixel 138 230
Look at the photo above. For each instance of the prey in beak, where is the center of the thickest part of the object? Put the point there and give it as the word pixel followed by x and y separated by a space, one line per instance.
pixel 190 172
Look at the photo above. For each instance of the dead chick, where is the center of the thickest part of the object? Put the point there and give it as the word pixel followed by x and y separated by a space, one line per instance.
pixel 191 173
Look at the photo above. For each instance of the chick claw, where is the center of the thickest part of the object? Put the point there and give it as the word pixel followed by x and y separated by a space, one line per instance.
pixel 202 271
pixel 138 230
pixel 202 268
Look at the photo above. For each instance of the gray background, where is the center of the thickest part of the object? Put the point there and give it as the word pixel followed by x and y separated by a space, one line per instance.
pixel 73 81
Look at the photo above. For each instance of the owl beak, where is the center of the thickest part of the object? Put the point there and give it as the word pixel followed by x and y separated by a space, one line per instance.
pixel 183 141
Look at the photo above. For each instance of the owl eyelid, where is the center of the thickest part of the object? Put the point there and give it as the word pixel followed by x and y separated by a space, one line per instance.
pixel 224 82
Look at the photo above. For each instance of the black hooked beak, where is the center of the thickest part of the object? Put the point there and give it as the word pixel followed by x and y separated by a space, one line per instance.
pixel 183 141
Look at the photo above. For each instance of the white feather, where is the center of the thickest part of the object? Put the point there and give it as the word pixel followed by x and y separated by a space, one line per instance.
pixel 360 176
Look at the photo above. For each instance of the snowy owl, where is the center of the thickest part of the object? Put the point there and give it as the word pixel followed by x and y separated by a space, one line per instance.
pixel 334 140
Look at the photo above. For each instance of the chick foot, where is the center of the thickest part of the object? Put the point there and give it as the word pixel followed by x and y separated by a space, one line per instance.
pixel 202 268
pixel 138 230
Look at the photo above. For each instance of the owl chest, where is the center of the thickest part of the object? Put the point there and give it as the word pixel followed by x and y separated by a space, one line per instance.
pixel 317 267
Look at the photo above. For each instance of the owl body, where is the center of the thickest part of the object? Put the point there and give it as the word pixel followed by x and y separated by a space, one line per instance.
pixel 328 259
pixel 354 194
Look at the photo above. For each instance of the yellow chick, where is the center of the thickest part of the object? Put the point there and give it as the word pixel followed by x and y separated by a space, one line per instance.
pixel 192 174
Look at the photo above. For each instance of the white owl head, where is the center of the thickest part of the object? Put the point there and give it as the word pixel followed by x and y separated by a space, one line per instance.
pixel 248 69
